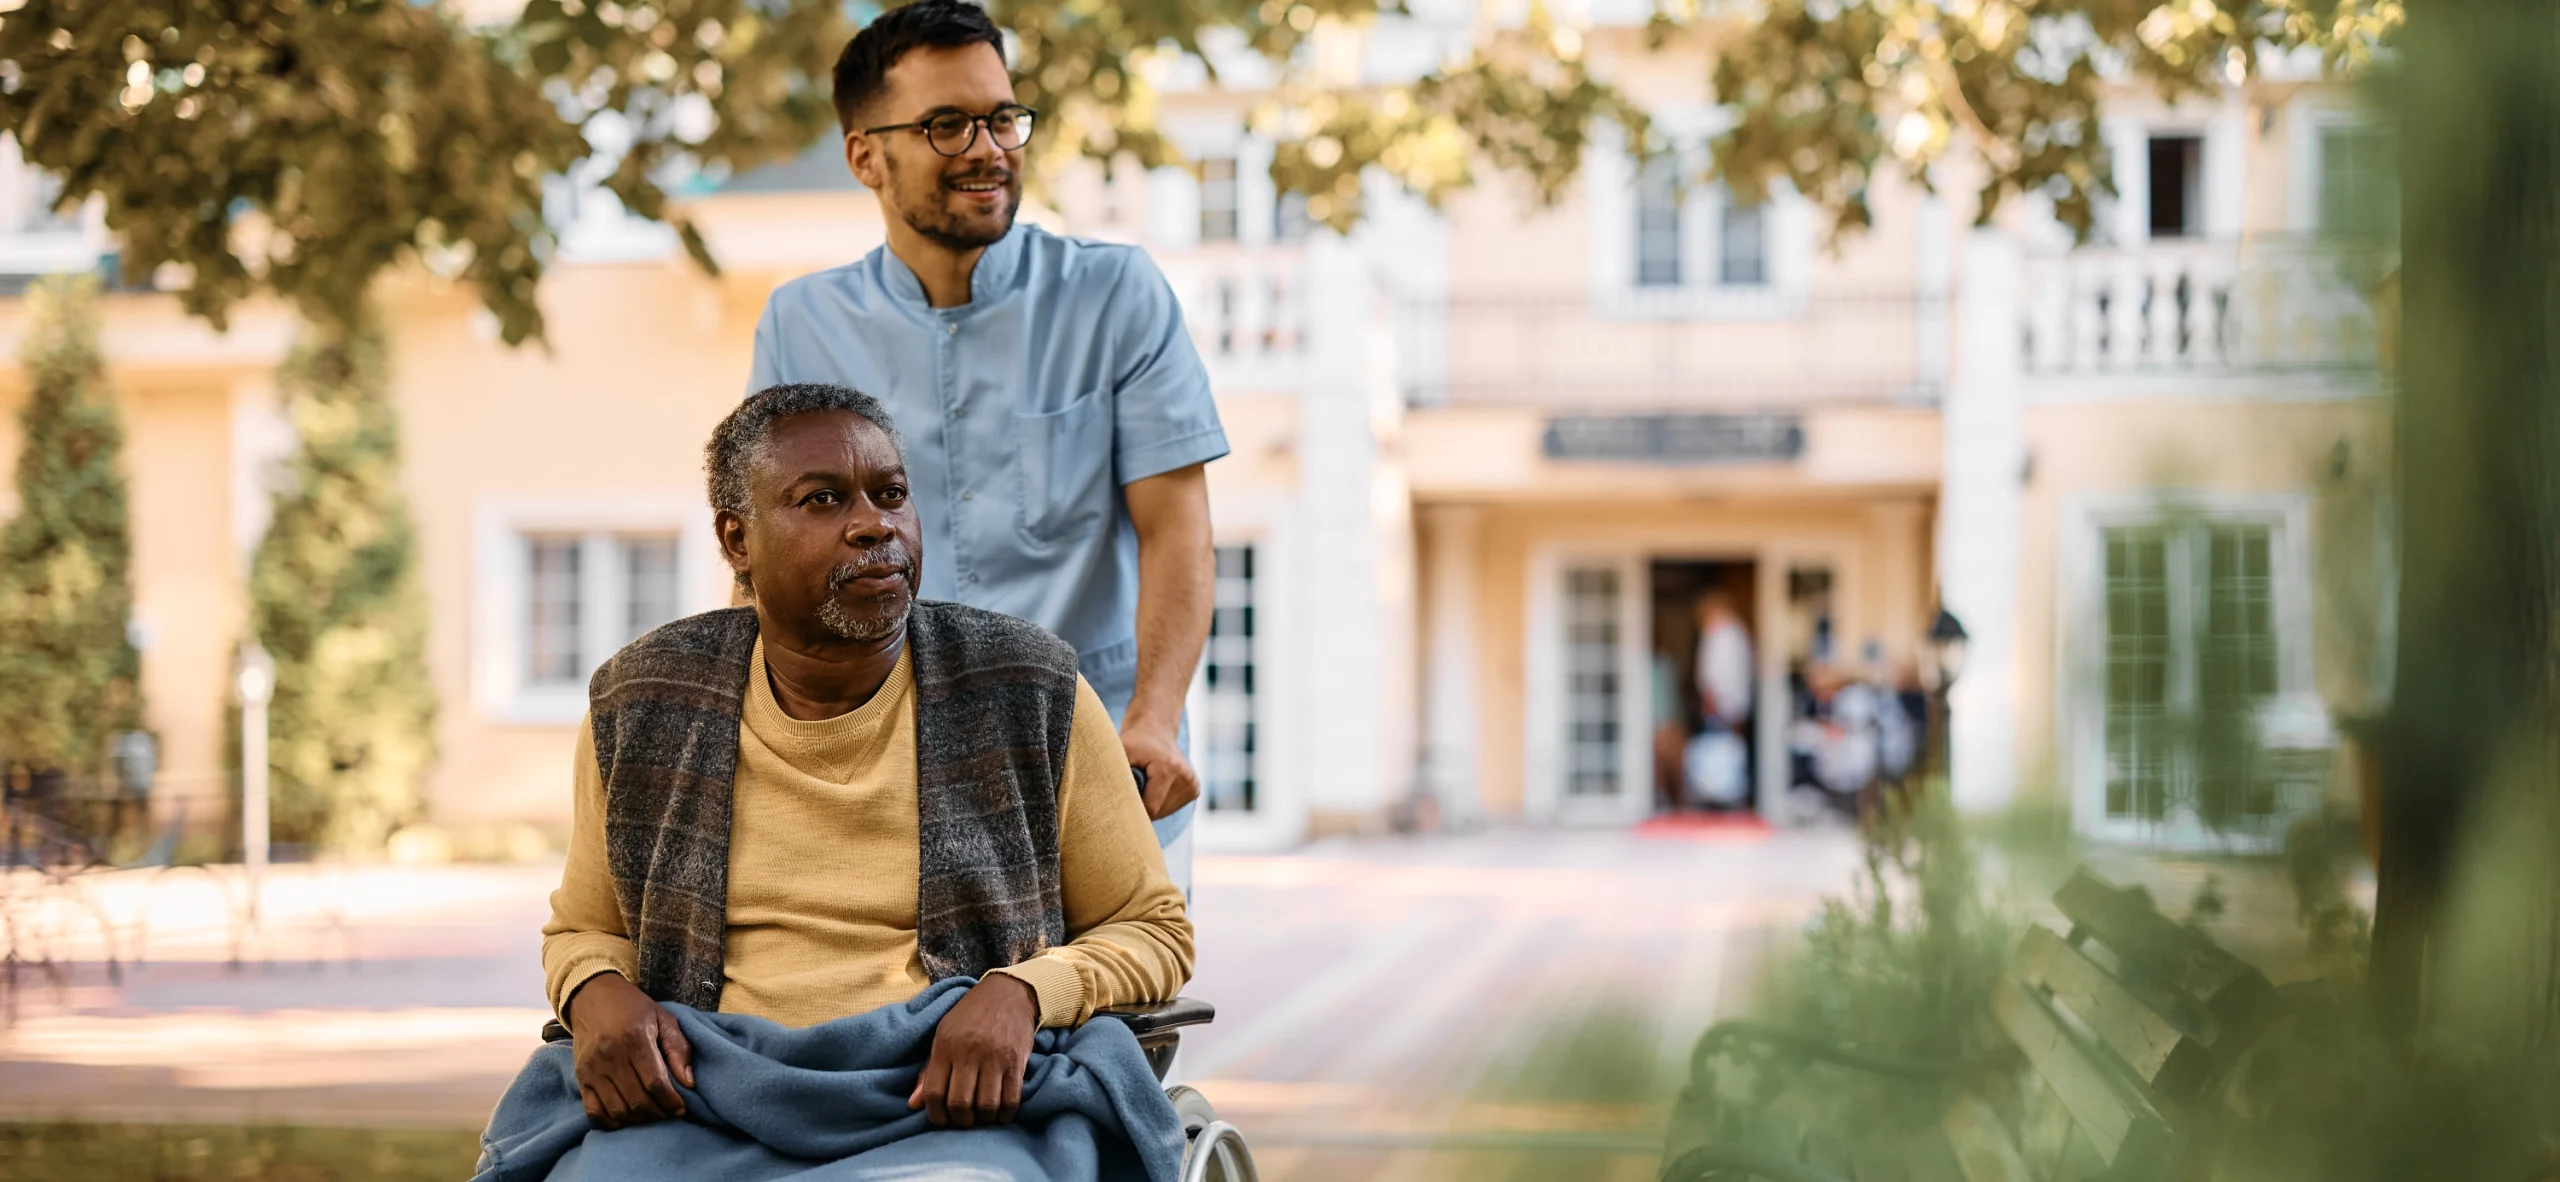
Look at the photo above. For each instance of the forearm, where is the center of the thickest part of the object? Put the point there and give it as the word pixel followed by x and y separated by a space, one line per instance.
pixel 1177 586
pixel 585 934
pixel 1138 961
pixel 571 959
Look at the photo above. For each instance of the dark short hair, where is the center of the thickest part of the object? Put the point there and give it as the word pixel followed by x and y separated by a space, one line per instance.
pixel 862 70
pixel 742 437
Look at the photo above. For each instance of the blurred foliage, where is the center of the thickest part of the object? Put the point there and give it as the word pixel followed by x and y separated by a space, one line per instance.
pixel 69 675
pixel 303 148
pixel 334 597
pixel 1901 970
pixel 66 1152
pixel 1828 93
pixel 297 147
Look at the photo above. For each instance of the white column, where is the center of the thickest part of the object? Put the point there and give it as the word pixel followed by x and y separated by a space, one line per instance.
pixel 1337 465
pixel 1449 708
pixel 2226 170
pixel 1978 521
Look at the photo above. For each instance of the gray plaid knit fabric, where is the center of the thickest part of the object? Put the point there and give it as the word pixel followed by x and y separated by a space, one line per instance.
pixel 995 702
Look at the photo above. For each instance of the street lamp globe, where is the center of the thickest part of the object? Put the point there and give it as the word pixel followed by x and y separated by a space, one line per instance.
pixel 1946 644
pixel 256 677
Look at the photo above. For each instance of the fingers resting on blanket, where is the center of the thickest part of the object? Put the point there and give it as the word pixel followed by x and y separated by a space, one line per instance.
pixel 630 1053
pixel 974 1076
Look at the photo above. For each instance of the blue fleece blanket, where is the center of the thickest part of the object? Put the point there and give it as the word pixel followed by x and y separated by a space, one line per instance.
pixel 829 1104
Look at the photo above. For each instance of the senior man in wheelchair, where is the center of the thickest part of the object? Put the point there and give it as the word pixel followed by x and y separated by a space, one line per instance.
pixel 851 874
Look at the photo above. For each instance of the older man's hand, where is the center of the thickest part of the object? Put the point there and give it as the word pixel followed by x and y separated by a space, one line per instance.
pixel 630 1053
pixel 974 1076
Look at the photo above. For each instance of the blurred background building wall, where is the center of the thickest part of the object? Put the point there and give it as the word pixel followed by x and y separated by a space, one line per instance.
pixel 1487 458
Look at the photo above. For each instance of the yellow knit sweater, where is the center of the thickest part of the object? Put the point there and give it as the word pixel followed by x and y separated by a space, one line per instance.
pixel 823 870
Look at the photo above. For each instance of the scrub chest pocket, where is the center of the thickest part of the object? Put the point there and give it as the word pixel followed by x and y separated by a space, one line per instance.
pixel 1063 459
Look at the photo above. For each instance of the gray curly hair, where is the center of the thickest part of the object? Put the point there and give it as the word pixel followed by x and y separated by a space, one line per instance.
pixel 741 438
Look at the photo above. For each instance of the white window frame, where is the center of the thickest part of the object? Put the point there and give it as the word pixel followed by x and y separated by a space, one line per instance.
pixel 1282 672
pixel 2080 644
pixel 1195 702
pixel 501 689
pixel 2308 119
pixel 1611 173
pixel 2223 156
pixel 1544 799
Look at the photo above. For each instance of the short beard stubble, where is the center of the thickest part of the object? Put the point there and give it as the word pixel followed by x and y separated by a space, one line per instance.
pixel 879 625
pixel 934 223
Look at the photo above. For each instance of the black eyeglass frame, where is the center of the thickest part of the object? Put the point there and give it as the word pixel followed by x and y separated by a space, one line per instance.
pixel 1029 118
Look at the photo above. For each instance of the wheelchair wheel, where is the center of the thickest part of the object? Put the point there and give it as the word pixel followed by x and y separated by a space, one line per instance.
pixel 1216 1151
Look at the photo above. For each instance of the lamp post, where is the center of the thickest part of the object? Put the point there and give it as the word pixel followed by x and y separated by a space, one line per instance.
pixel 1946 647
pixel 256 681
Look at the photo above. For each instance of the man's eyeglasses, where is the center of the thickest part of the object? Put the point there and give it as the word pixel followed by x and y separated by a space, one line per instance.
pixel 954 132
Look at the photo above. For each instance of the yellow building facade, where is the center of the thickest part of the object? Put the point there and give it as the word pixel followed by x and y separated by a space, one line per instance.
pixel 1487 458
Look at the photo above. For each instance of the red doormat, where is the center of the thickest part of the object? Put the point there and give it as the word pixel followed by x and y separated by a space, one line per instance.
pixel 1705 826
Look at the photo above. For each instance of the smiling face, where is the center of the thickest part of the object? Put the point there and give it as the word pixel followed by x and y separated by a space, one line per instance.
pixel 832 549
pixel 959 203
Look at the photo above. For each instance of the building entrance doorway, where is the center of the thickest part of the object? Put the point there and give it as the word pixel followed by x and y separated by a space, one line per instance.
pixel 1703 665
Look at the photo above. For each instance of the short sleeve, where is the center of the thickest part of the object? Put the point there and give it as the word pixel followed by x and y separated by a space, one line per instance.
pixel 766 369
pixel 1163 416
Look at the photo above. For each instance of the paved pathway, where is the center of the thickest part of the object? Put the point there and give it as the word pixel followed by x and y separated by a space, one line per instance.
pixel 1508 1004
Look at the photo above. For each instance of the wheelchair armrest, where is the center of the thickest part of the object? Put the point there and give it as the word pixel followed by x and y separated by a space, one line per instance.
pixel 1147 1021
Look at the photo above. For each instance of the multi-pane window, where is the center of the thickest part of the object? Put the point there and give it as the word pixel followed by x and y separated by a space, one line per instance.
pixel 2138 656
pixel 1658 198
pixel 587 595
pixel 2192 656
pixel 1226 739
pixel 551 616
pixel 1218 199
pixel 1742 245
pixel 2359 183
pixel 1592 683
pixel 649 583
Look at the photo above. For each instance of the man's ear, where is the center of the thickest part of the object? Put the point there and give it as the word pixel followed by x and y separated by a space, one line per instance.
pixel 732 532
pixel 862 156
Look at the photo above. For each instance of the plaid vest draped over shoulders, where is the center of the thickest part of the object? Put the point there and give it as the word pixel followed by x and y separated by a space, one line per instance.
pixel 995 702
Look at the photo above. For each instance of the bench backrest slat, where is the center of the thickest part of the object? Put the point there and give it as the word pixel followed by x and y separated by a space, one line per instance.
pixel 2183 961
pixel 2126 1131
pixel 2142 1036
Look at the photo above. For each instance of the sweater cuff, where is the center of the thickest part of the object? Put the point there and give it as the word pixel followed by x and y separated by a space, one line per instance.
pixel 1055 985
pixel 576 978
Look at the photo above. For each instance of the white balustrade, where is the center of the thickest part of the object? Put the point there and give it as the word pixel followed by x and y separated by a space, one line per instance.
pixel 2276 305
pixel 1246 311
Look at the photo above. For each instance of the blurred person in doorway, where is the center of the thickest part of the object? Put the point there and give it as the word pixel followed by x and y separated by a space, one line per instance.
pixel 1061 418
pixel 1718 762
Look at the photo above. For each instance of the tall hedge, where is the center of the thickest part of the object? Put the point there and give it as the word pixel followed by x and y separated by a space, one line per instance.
pixel 335 598
pixel 69 675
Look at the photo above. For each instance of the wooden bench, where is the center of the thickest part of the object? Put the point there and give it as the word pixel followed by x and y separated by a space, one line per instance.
pixel 2119 1029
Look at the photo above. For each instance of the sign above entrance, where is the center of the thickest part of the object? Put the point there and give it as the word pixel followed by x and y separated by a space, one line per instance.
pixel 1676 438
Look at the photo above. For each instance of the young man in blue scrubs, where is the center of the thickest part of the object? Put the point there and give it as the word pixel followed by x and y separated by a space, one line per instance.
pixel 1057 417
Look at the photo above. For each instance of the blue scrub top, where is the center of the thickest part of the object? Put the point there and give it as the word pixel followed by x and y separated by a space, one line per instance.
pixel 1067 375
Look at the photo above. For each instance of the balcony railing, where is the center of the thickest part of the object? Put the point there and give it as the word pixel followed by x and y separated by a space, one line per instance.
pixel 1247 314
pixel 2281 305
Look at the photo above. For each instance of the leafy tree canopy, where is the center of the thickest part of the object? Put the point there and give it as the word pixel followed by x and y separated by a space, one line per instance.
pixel 300 147
pixel 1828 93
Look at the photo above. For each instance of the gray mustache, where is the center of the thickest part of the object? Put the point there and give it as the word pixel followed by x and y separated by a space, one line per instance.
pixel 889 554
